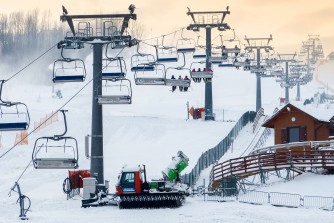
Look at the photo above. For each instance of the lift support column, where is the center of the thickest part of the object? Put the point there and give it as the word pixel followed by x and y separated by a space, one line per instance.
pixel 208 84
pixel 96 164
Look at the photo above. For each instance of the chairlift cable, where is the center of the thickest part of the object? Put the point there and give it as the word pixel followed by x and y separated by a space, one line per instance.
pixel 25 169
pixel 54 112
pixel 163 35
pixel 33 61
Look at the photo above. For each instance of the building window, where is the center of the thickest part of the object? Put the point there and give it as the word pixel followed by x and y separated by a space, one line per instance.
pixel 331 129
pixel 294 134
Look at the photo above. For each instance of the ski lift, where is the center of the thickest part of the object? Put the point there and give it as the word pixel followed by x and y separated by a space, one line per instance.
pixel 142 61
pixel 56 152
pixel 166 53
pixel 198 71
pixel 155 76
pixel 14 116
pixel 113 68
pixel 181 77
pixel 118 97
pixel 185 45
pixel 68 70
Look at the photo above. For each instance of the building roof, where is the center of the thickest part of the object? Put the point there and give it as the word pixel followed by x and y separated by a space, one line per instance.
pixel 319 114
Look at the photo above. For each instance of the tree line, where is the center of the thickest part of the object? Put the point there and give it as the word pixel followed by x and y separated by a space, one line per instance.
pixel 23 33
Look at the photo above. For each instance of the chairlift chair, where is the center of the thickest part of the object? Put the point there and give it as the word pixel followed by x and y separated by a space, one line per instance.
pixel 185 45
pixel 113 68
pixel 142 61
pixel 14 116
pixel 198 71
pixel 116 97
pixel 166 54
pixel 177 72
pixel 156 76
pixel 216 55
pixel 56 152
pixel 68 70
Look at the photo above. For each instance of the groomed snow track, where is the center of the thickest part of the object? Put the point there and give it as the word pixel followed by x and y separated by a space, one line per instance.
pixel 156 200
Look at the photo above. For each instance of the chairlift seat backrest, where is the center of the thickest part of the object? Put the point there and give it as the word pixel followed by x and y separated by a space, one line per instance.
pixel 216 59
pixel 77 78
pixel 14 116
pixel 143 68
pixel 199 56
pixel 69 70
pixel 55 163
pixel 112 75
pixel 114 99
pixel 186 50
pixel 149 81
pixel 110 96
pixel 231 50
pixel 201 74
pixel 238 64
pixel 14 126
pixel 226 65
pixel 167 59
pixel 178 82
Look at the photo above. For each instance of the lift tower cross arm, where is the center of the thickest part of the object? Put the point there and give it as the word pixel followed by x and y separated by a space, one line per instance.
pixel 219 24
pixel 126 18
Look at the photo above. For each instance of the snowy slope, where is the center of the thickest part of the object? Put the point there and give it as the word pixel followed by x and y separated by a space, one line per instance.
pixel 150 131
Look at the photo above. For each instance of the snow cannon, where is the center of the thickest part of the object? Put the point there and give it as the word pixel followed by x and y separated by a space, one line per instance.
pixel 178 164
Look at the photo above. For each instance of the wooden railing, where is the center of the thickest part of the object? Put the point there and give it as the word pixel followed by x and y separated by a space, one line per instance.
pixel 264 162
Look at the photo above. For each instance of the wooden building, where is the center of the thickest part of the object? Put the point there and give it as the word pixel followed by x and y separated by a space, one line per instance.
pixel 298 123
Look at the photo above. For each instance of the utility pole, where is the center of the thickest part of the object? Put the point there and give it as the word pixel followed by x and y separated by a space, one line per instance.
pixel 215 21
pixel 258 44
pixel 102 33
pixel 286 58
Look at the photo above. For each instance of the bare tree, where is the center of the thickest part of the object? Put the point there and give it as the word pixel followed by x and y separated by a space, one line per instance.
pixel 138 30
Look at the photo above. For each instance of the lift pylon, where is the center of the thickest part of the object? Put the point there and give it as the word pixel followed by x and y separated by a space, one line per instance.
pixel 258 44
pixel 99 30
pixel 208 20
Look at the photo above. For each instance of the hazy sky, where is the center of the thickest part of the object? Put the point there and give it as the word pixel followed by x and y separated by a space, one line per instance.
pixel 289 21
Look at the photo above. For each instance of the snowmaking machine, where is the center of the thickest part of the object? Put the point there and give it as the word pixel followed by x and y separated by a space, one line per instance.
pixel 134 191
